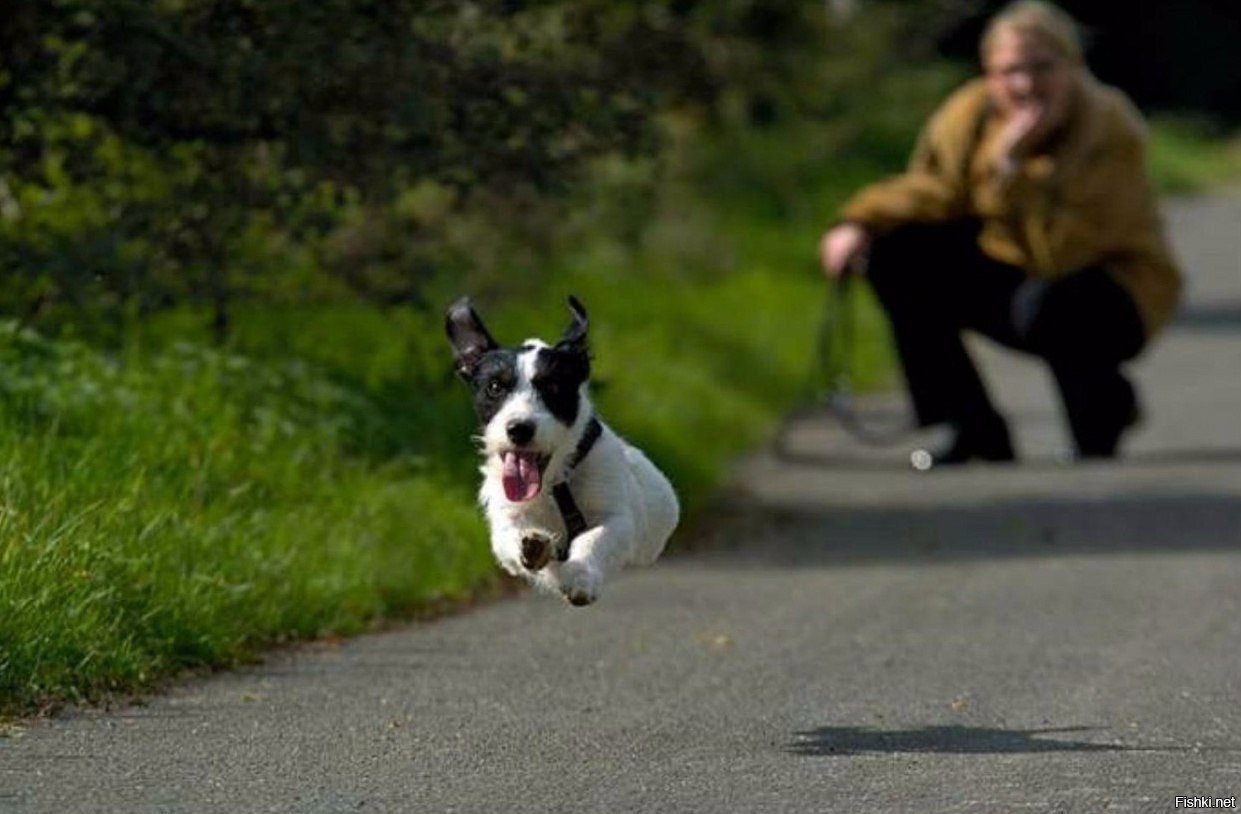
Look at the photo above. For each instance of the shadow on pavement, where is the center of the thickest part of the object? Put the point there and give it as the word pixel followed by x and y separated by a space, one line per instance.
pixel 891 460
pixel 841 741
pixel 1221 316
pixel 793 535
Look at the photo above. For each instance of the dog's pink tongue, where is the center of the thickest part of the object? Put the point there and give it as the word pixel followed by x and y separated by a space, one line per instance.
pixel 520 475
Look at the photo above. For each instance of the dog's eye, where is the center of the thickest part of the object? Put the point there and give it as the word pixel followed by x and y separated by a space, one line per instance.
pixel 495 388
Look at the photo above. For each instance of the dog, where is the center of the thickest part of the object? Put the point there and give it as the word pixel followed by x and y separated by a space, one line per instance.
pixel 567 500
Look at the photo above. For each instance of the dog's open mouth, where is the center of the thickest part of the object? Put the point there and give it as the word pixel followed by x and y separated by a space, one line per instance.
pixel 522 474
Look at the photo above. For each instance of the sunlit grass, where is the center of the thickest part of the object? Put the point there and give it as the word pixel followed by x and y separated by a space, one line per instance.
pixel 185 509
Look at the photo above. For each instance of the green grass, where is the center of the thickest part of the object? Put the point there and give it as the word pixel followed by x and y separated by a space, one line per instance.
pixel 169 506
pixel 184 509
pixel 1187 155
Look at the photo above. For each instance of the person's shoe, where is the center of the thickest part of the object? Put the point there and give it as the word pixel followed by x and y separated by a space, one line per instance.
pixel 967 443
pixel 1106 445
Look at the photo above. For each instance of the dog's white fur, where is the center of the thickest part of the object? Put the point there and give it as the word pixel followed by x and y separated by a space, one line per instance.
pixel 630 507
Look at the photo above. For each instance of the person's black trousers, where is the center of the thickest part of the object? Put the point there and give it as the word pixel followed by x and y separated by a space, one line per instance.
pixel 934 281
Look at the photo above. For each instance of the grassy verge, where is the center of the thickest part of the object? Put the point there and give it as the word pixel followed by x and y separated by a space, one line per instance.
pixel 1188 156
pixel 187 508
pixel 172 506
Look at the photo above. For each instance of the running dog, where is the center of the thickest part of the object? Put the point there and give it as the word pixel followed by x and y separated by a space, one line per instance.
pixel 568 501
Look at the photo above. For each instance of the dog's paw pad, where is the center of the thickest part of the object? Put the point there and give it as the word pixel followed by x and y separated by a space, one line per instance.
pixel 536 550
pixel 580 599
pixel 579 584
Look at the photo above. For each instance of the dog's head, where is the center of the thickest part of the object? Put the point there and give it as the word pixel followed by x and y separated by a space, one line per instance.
pixel 530 399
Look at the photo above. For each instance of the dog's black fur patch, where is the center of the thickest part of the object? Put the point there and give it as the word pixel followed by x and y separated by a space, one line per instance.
pixel 492 381
pixel 491 371
pixel 559 373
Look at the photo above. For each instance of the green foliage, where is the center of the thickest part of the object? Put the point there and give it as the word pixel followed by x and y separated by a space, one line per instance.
pixel 159 153
pixel 180 509
pixel 1187 155
pixel 154 155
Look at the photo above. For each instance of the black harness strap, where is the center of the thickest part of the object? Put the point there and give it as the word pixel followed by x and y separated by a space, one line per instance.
pixel 574 520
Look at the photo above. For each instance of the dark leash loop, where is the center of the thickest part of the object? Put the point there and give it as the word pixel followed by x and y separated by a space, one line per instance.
pixel 830 386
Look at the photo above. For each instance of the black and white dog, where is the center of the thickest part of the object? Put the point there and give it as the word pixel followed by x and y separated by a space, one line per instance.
pixel 568 501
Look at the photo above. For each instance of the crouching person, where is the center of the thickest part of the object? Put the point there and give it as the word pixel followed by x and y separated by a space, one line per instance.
pixel 1025 215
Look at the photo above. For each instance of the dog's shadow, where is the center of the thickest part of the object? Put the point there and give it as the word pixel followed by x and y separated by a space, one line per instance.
pixel 843 741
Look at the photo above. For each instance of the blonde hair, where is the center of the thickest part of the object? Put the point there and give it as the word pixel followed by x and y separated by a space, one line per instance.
pixel 1049 24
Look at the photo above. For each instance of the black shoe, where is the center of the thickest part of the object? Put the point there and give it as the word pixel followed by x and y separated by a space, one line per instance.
pixel 968 443
pixel 1106 444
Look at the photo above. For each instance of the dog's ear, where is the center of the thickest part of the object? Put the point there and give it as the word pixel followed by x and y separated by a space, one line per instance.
pixel 469 337
pixel 575 334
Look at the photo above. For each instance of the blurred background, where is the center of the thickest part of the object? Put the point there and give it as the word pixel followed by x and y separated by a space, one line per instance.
pixel 215 155
pixel 229 228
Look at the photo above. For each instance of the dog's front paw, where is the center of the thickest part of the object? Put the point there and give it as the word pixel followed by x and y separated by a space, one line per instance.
pixel 536 550
pixel 579 583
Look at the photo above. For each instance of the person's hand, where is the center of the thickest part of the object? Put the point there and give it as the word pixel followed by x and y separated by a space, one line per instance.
pixel 1024 129
pixel 840 246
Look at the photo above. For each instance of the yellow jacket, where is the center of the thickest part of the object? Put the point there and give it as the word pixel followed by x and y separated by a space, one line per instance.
pixel 1085 202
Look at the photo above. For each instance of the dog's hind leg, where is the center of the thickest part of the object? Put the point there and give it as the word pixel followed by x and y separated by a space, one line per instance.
pixel 594 555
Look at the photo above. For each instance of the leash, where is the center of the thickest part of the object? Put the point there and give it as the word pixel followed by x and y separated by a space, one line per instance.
pixel 574 520
pixel 830 374
pixel 830 384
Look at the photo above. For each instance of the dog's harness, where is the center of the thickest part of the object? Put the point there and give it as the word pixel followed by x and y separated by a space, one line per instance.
pixel 574 520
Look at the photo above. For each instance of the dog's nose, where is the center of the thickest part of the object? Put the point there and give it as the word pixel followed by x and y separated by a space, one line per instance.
pixel 520 432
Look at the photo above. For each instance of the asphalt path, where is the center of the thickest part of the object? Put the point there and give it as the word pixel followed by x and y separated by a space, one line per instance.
pixel 841 634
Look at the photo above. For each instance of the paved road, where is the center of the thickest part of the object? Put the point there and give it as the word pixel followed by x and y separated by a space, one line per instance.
pixel 849 637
